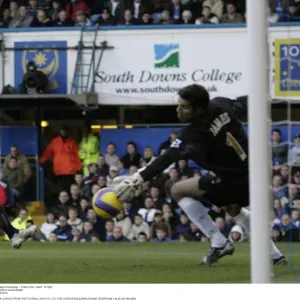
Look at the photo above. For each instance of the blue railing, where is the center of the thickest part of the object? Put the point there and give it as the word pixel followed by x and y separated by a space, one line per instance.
pixel 145 27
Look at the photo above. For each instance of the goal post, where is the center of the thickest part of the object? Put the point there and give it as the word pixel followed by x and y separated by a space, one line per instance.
pixel 259 154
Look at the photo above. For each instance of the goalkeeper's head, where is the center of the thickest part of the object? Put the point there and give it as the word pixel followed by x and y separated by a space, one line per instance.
pixel 193 101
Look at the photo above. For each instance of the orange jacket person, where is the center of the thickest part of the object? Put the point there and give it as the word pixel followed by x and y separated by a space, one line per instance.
pixel 66 162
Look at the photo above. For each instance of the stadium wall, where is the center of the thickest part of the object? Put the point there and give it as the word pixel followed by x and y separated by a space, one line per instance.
pixel 149 66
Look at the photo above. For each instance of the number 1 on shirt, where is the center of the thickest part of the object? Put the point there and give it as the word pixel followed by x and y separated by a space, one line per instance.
pixel 232 142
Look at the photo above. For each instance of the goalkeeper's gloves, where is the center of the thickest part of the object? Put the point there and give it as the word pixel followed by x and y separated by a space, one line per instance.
pixel 126 188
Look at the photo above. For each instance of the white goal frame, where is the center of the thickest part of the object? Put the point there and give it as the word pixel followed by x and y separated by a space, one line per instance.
pixel 259 122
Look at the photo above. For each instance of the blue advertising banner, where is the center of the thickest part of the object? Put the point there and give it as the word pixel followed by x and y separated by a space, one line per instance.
pixel 53 63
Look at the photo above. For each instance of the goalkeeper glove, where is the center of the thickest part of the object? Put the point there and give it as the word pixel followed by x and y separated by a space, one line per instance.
pixel 126 188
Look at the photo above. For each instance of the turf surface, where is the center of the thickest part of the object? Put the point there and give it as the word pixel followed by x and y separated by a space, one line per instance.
pixel 131 263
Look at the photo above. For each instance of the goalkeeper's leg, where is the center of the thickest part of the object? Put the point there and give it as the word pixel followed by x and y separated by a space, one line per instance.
pixel 242 217
pixel 17 237
pixel 184 193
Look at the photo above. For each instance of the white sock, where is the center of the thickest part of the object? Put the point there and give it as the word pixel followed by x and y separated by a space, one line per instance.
pixel 243 218
pixel 197 214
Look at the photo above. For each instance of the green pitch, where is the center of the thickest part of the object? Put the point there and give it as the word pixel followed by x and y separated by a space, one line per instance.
pixel 131 263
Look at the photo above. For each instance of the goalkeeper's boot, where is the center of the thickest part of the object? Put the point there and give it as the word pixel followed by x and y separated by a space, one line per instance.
pixel 214 254
pixel 24 234
pixel 280 261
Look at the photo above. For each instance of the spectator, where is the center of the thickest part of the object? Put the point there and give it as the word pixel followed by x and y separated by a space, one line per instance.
pixel 63 20
pixel 79 180
pixel 109 228
pixel 236 234
pixel 142 237
pixel 207 17
pixel 56 9
pixel 285 174
pixel 296 165
pixel 86 234
pixel 216 7
pixel 113 173
pixel 5 18
pixel 221 225
pixel 66 162
pixel 76 235
pixel 187 17
pixel 41 20
pixel 102 166
pixel 161 236
pixel 111 157
pixel 174 177
pixel 14 9
pixel 169 216
pixel 62 207
pixel 159 223
pixel 116 7
pixel 73 220
pixel 146 19
pixel 90 179
pixel 293 14
pixel 82 19
pixel 53 237
pixel 14 177
pixel 132 170
pixel 132 157
pixel 95 189
pixel 184 225
pixel 123 221
pixel 166 18
pixel 149 156
pixel 48 226
pixel 63 230
pixel 295 217
pixel 83 209
pixel 293 192
pixel 3 186
pixel 296 179
pixel 287 231
pixel 195 233
pixel 279 149
pixel 98 224
pixel 21 159
pixel 117 236
pixel 101 182
pixel 137 8
pixel 74 7
pixel 138 227
pixel 75 195
pixel 105 19
pixel 232 16
pixel 32 9
pixel 184 169
pixel 121 170
pixel 156 197
pixel 176 11
pixel 295 150
pixel 149 211
pixel 279 190
pixel 128 19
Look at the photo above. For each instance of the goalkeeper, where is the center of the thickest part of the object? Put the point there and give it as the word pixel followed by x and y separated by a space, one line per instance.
pixel 216 141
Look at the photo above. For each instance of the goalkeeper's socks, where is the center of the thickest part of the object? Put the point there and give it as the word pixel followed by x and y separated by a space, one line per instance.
pixel 198 215
pixel 5 224
pixel 243 218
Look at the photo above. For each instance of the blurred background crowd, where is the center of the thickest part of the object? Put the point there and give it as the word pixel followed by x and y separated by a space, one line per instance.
pixel 80 170
pixel 47 13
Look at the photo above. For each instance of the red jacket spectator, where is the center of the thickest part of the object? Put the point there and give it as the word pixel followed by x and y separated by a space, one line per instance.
pixel 3 196
pixel 74 7
pixel 65 156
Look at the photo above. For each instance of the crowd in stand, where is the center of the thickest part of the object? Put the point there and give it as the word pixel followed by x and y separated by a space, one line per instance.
pixel 57 13
pixel 152 216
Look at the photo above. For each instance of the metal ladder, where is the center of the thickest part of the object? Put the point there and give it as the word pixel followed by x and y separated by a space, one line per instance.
pixel 85 62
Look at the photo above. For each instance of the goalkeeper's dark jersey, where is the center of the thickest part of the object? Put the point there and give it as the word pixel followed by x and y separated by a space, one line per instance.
pixel 216 141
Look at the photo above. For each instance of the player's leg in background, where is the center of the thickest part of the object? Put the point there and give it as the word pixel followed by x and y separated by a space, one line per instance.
pixel 184 193
pixel 5 224
pixel 242 217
